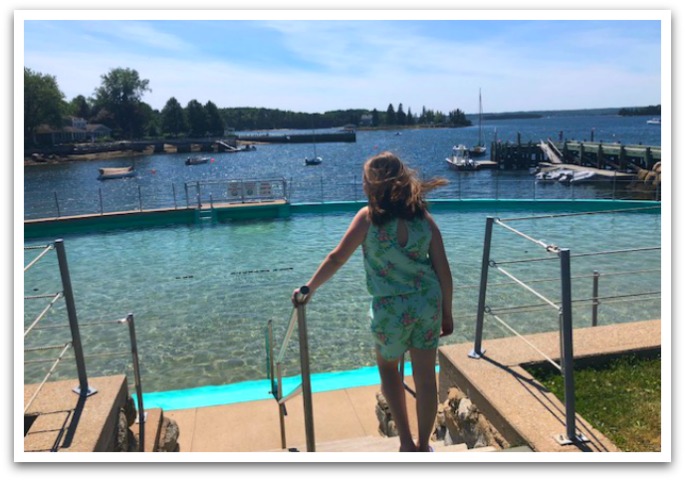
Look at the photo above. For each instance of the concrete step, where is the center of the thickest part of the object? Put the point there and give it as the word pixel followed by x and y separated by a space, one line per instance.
pixel 153 429
pixel 383 444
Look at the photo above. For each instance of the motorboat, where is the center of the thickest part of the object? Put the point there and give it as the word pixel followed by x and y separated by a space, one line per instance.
pixel 116 172
pixel 197 160
pixel 312 161
pixel 654 121
pixel 461 159
pixel 583 176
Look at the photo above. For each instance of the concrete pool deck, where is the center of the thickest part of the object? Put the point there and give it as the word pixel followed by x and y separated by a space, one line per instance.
pixel 498 384
pixel 523 411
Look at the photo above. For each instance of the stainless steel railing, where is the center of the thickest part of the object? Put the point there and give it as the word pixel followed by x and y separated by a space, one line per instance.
pixel 83 389
pixel 275 372
pixel 313 189
pixel 563 306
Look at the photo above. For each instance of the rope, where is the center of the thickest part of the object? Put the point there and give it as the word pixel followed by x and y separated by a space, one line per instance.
pixel 40 255
pixel 42 314
pixel 49 374
pixel 504 324
pixel 519 282
pixel 537 242
pixel 559 215
pixel 609 252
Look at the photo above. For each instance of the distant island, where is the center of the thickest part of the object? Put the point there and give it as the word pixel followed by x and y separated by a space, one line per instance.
pixel 652 110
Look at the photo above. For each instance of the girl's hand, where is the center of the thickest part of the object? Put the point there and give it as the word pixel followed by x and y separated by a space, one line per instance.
pixel 301 296
pixel 447 325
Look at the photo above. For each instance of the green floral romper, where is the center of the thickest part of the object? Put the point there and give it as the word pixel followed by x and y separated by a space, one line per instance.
pixel 406 310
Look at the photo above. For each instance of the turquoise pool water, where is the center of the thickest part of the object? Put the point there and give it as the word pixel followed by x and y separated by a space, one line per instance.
pixel 202 294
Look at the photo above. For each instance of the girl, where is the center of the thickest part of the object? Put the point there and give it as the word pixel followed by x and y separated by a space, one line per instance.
pixel 409 278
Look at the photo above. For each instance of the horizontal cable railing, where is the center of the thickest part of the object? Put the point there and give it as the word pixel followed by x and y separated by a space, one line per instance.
pixel 561 302
pixel 133 196
pixel 74 345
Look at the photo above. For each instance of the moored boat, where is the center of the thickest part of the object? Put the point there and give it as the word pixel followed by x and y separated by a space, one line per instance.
pixel 461 160
pixel 312 161
pixel 197 160
pixel 116 172
pixel 654 121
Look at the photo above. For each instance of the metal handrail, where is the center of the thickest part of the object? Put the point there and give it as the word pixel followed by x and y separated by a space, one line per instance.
pixel 83 389
pixel 305 388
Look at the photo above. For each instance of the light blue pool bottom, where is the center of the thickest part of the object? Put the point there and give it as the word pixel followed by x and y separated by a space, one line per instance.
pixel 253 390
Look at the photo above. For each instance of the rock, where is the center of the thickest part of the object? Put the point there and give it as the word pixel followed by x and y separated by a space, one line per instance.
pixel 168 437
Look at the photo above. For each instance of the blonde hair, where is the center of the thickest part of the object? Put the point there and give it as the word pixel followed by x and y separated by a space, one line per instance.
pixel 395 190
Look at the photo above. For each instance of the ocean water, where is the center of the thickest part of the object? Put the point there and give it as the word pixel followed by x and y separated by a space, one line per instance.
pixel 73 188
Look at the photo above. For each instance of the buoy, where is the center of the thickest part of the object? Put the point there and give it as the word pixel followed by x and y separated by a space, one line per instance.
pixel 153 171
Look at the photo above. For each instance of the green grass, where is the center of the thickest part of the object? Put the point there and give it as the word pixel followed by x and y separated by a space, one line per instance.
pixel 621 398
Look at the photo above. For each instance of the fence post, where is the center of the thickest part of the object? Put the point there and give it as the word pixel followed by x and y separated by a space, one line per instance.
pixel 477 351
pixel 567 350
pixel 306 380
pixel 595 294
pixel 57 204
pixel 83 390
pixel 136 374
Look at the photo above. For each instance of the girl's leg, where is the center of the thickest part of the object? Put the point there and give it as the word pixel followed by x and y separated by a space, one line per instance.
pixel 393 390
pixel 423 366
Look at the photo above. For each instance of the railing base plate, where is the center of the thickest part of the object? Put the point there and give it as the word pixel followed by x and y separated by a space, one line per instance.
pixel 562 439
pixel 91 391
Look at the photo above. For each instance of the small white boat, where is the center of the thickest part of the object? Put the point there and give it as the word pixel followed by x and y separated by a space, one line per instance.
pixel 654 121
pixel 461 160
pixel 583 176
pixel 312 161
pixel 116 172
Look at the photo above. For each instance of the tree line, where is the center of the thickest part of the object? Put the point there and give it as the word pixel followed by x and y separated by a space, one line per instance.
pixel 632 112
pixel 118 104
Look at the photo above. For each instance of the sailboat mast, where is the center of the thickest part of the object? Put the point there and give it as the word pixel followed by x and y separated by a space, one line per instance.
pixel 480 119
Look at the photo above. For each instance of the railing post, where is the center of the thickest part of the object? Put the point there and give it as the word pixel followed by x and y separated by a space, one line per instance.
pixel 140 199
pixel 477 351
pixel 185 186
pixel 83 390
pixel 567 350
pixel 321 179
pixel 136 374
pixel 173 190
pixel 100 195
pixel 595 294
pixel 57 205
pixel 306 379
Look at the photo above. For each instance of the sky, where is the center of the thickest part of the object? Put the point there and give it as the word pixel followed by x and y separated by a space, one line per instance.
pixel 322 62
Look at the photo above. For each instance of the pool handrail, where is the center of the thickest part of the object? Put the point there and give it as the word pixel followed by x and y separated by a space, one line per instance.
pixel 305 388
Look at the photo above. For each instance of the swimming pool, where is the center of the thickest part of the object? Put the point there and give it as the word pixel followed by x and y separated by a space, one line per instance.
pixel 202 294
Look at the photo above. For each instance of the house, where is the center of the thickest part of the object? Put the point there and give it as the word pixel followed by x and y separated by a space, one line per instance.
pixel 74 130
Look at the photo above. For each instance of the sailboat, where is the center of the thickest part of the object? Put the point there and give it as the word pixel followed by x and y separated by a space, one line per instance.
pixel 479 149
pixel 315 160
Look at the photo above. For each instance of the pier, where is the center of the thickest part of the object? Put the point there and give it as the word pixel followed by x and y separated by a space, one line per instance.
pixel 328 137
pixel 598 155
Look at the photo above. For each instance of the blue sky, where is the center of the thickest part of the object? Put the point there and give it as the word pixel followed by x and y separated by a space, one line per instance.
pixel 364 62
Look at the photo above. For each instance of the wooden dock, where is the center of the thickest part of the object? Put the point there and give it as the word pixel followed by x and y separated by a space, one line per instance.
pixel 602 156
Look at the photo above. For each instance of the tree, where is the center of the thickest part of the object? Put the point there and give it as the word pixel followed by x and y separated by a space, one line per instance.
pixel 401 116
pixel 215 124
pixel 173 118
pixel 197 119
pixel 43 103
pixel 79 107
pixel 120 93
pixel 390 117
